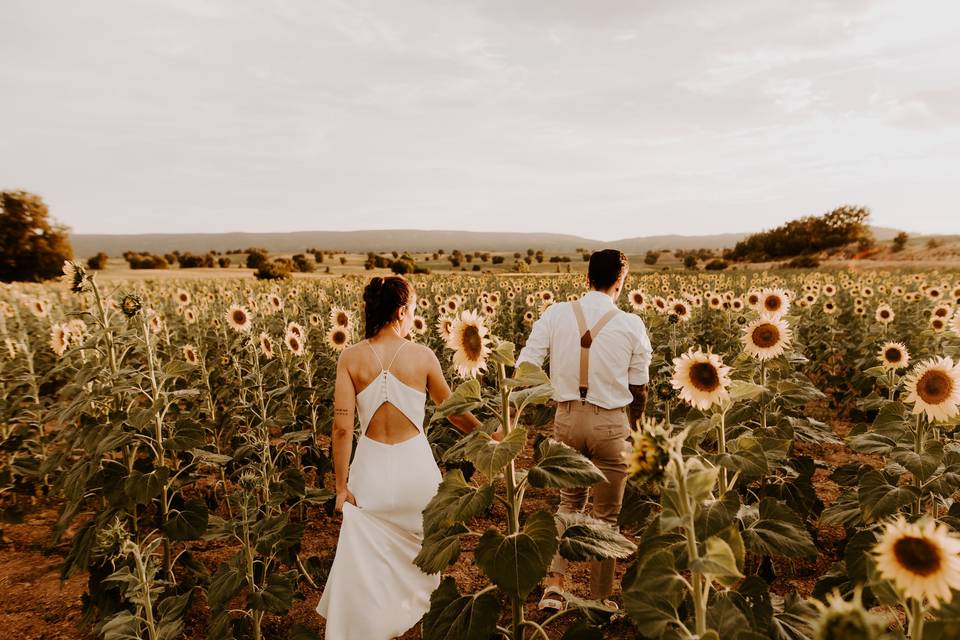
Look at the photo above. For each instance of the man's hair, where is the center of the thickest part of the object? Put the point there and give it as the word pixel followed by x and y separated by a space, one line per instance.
pixel 605 267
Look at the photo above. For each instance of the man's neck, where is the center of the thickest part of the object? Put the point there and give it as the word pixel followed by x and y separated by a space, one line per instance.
pixel 608 293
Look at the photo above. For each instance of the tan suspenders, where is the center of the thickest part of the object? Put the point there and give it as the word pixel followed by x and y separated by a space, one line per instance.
pixel 586 339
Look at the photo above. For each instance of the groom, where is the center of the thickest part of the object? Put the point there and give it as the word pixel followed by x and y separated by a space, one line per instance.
pixel 599 369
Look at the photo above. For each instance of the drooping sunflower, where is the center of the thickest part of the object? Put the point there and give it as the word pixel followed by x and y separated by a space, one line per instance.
pixel 337 338
pixel 894 355
pixel 840 619
pixel 131 305
pixel 444 325
pixel 295 327
pixel 468 339
pixel 766 338
pixel 702 378
pixel 190 354
pixel 921 559
pixel 933 387
pixel 75 274
pixel 648 458
pixel 239 318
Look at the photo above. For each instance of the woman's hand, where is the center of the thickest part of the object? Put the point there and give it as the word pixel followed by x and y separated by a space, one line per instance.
pixel 344 496
pixel 498 434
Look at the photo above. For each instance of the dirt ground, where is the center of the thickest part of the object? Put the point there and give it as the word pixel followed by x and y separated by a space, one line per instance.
pixel 34 605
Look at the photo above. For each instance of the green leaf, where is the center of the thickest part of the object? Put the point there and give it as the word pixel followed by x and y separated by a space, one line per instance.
pixel 879 499
pixel 144 487
pixel 718 562
pixel 455 501
pixel 715 515
pixel 559 466
pixel 455 617
pixel 122 626
pixel 775 530
pixel 516 563
pixel 701 480
pixel 278 595
pixel 502 353
pixel 490 456
pixel 188 522
pixel 465 398
pixel 745 390
pixel 871 442
pixel 527 374
pixel 921 465
pixel 187 434
pixel 586 538
pixel 746 456
pixel 440 549
pixel 225 583
pixel 725 619
pixel 540 394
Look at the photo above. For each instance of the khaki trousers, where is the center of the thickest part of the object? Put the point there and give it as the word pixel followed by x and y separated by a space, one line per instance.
pixel 600 435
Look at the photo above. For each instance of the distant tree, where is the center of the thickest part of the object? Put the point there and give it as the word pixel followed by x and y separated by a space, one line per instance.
pixel 476 267
pixel 277 270
pixel 521 266
pixel 933 243
pixel 716 265
pixel 586 256
pixel 539 256
pixel 31 249
pixel 318 257
pixel 98 262
pixel 690 261
pixel 256 257
pixel 651 257
pixel 497 259
pixel 224 262
pixel 900 241
pixel 802 262
pixel 810 234
pixel 303 264
pixel 343 260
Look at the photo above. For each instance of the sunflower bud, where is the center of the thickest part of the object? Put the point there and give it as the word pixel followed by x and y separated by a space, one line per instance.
pixel 131 305
pixel 843 620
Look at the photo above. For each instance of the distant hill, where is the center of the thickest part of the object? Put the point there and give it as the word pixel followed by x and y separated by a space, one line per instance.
pixel 394 239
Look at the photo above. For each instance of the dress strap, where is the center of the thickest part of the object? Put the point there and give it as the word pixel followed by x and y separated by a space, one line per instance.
pixel 394 359
pixel 379 361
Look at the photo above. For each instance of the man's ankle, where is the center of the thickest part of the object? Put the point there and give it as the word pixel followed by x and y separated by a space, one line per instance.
pixel 554 580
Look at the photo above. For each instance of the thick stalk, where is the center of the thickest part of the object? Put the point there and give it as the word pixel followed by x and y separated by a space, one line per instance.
pixel 918 449
pixel 722 448
pixel 145 591
pixel 158 437
pixel 916 619
pixel 699 591
pixel 513 506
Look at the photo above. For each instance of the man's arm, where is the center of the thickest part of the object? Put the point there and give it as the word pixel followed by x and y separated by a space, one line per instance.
pixel 638 405
pixel 537 347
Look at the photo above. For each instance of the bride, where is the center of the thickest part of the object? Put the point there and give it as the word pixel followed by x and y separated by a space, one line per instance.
pixel 374 591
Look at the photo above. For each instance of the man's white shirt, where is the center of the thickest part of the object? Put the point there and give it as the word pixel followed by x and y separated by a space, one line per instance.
pixel 619 355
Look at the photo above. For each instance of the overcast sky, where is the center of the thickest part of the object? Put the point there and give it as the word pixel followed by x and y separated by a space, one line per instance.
pixel 602 118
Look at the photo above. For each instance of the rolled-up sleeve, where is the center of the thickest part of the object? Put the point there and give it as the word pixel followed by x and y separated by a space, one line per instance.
pixel 538 343
pixel 639 372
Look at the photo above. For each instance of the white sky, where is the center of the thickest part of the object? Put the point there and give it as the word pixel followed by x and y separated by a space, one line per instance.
pixel 602 118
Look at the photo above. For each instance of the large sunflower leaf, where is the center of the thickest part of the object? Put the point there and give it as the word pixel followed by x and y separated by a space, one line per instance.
pixel 465 397
pixel 879 499
pixel 560 466
pixel 516 563
pixel 440 549
pixel 777 531
pixel 455 617
pixel 586 538
pixel 490 456
pixel 455 501
pixel 718 562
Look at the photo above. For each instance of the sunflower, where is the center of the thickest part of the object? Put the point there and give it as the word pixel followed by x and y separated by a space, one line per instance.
pixel 59 338
pixel 131 304
pixel 190 354
pixel 39 308
pixel 156 322
pixel 468 339
pixel 921 559
pixel 934 388
pixel 182 297
pixel 659 304
pixel 528 317
pixel 937 324
pixel 648 458
pixel 884 314
pixel 75 274
pixel 638 300
pixel 11 347
pixel 829 308
pixel 444 325
pixel 295 327
pixel 942 310
pixel 774 302
pixel 766 338
pixel 239 318
pixel 189 315
pixel 680 309
pixel 702 378
pixel 314 319
pixel 77 329
pixel 894 355
pixel 340 317
pixel 419 325
pixel 266 345
pixel 337 338
pixel 274 303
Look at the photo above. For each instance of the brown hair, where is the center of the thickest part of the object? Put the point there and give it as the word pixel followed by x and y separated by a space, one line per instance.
pixel 382 297
pixel 605 267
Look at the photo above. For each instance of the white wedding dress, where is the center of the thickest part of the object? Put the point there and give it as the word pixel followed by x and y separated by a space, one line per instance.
pixel 374 591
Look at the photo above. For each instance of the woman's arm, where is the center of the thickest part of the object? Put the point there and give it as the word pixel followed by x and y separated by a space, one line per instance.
pixel 344 407
pixel 439 391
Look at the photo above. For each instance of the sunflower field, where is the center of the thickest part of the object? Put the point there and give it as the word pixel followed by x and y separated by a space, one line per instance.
pixel 795 477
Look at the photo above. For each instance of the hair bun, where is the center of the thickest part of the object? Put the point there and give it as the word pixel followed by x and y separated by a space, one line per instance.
pixel 373 289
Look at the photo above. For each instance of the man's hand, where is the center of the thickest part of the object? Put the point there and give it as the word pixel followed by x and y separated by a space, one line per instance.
pixel 639 404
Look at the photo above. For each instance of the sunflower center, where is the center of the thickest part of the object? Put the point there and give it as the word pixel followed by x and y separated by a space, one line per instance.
pixel 679 309
pixel 239 316
pixel 772 303
pixel 934 386
pixel 893 355
pixel 339 337
pixel 342 319
pixel 704 376
pixel 917 555
pixel 765 336
pixel 472 344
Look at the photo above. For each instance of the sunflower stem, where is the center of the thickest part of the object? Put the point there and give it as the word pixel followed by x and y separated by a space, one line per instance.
pixel 916 619
pixel 918 449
